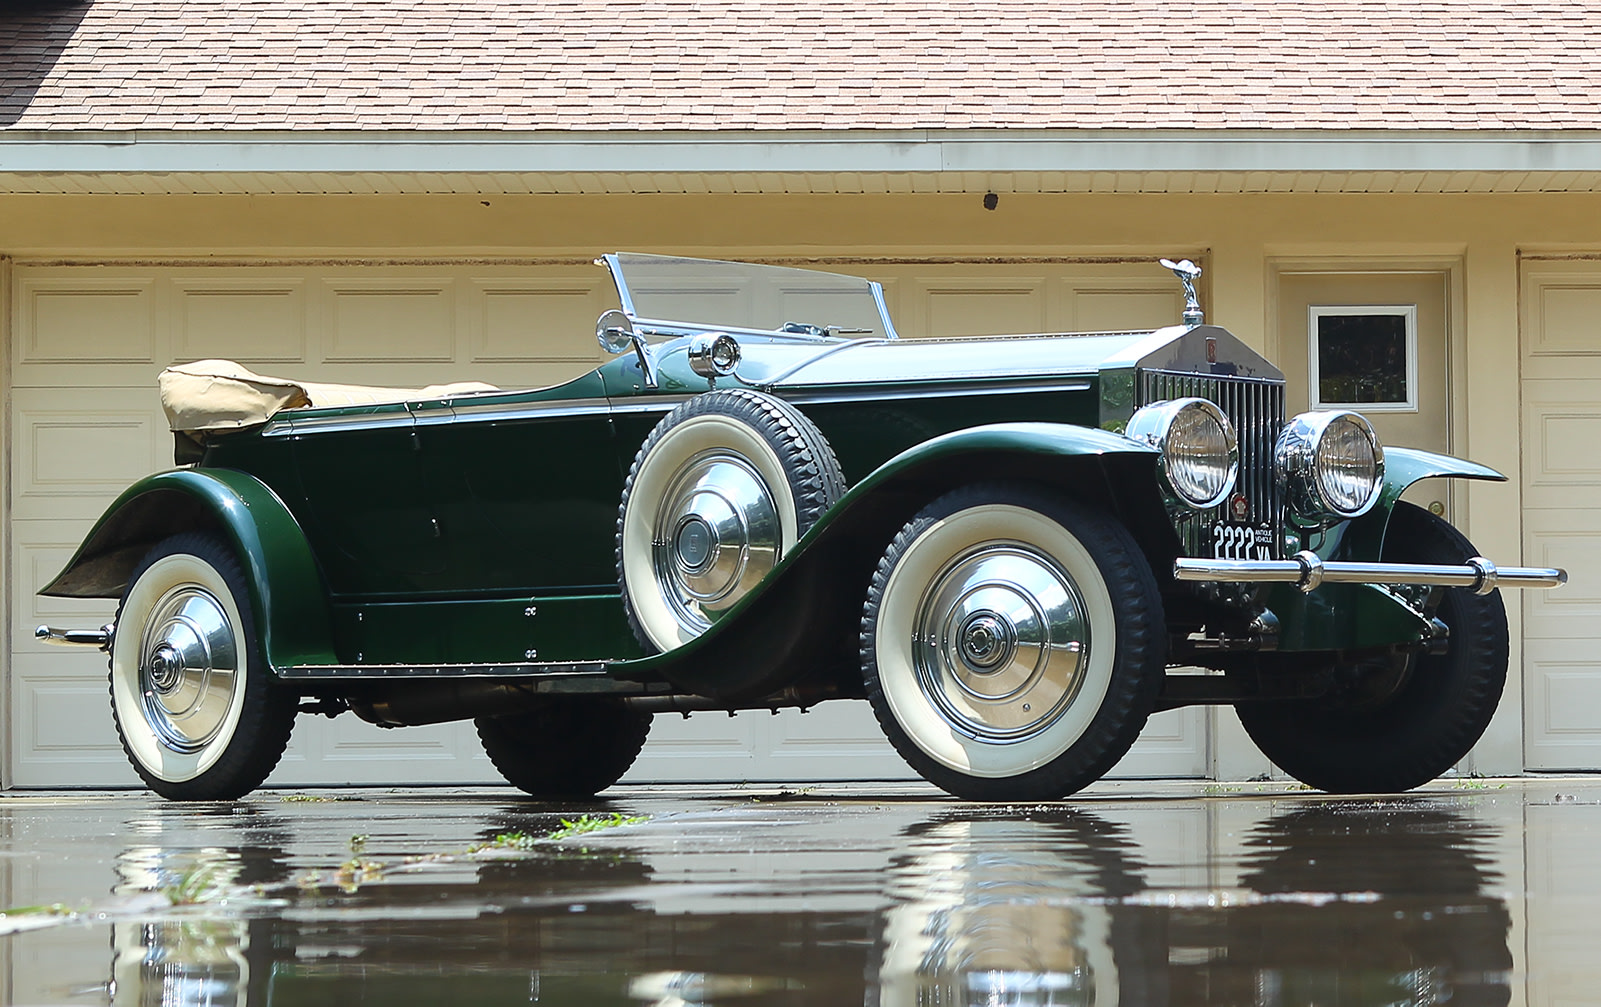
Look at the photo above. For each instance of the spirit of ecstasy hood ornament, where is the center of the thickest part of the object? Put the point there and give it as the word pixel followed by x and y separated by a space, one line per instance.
pixel 1187 271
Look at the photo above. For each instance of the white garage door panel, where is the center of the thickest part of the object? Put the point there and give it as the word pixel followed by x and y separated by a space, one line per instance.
pixel 72 453
pixel 374 321
pixel 62 721
pixel 1561 431
pixel 1561 392
pixel 978 306
pixel 347 750
pixel 86 422
pixel 1571 539
pixel 102 319
pixel 1174 743
pixel 240 318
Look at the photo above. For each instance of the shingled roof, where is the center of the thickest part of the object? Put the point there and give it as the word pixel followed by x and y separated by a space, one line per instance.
pixel 600 65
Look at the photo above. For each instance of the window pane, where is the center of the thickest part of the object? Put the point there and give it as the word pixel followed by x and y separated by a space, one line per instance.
pixel 1361 358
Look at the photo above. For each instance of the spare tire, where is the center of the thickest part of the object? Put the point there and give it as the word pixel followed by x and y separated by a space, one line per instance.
pixel 719 493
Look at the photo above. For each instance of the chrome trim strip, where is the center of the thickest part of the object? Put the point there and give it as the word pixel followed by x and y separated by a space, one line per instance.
pixel 435 416
pixel 496 412
pixel 490 412
pixel 1306 570
pixel 560 669
pixel 647 404
pixel 942 390
pixel 477 412
pixel 296 425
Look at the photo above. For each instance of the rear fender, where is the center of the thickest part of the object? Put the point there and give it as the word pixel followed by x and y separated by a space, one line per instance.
pixel 287 595
pixel 801 622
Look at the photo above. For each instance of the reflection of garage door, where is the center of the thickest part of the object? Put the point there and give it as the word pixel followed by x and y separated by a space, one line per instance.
pixel 85 423
pixel 1561 301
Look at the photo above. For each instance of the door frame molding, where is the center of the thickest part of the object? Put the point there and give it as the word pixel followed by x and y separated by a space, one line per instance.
pixel 8 300
pixel 1452 267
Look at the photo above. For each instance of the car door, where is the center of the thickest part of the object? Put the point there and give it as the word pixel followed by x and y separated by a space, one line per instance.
pixel 370 521
pixel 525 486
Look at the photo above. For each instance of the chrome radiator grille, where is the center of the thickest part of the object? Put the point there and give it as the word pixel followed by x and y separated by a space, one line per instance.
pixel 1256 408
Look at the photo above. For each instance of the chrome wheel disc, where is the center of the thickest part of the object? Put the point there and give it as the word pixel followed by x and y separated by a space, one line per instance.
pixel 188 669
pixel 1000 642
pixel 715 537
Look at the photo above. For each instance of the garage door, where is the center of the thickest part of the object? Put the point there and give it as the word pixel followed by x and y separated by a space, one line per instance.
pixel 1561 302
pixel 85 422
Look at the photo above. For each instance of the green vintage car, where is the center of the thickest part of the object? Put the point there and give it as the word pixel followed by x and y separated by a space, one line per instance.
pixel 766 499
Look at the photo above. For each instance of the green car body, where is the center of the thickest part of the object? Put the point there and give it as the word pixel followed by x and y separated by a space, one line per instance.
pixel 416 545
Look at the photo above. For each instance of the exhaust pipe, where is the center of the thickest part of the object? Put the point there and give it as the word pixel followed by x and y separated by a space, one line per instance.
pixel 420 703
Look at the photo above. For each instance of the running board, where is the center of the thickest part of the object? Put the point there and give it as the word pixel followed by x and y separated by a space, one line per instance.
pixel 569 676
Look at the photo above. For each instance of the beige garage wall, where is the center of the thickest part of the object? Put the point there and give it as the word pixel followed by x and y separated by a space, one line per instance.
pixel 1239 236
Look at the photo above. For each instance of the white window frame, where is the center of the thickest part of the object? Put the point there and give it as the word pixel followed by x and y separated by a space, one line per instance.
pixel 1407 311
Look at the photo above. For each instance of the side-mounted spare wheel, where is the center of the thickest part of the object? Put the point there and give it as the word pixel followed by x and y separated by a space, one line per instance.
pixel 718 494
pixel 1398 724
pixel 196 704
pixel 1012 643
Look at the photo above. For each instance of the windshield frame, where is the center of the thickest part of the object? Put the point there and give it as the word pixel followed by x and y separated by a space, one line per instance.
pixel 614 263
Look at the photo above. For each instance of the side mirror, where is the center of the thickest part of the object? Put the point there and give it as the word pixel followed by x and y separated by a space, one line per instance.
pixel 616 333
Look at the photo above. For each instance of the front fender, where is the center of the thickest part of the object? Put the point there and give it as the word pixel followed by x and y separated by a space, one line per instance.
pixel 1363 538
pixel 1353 616
pixel 287 596
pixel 800 622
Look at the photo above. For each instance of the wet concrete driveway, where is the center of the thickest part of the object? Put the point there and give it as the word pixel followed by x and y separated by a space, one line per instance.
pixel 1472 892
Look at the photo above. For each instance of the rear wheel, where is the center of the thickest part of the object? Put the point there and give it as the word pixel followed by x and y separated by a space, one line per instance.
pixel 196 705
pixel 565 749
pixel 1437 707
pixel 1012 643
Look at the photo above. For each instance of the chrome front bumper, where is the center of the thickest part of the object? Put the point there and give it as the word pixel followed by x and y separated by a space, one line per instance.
pixel 1306 570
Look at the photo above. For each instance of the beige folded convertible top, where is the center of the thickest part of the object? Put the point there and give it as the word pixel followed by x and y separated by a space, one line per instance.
pixel 222 395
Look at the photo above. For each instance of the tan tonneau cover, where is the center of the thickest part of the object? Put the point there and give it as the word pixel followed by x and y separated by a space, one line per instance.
pixel 222 395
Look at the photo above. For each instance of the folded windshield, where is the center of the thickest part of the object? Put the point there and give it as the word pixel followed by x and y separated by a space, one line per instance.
pixel 739 295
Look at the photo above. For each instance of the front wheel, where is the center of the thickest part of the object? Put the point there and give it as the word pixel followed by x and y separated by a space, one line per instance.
pixel 1012 643
pixel 199 713
pixel 1439 704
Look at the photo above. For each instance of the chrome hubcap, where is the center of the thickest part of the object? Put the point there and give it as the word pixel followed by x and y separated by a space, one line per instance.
pixel 716 536
pixel 188 667
pixel 1000 642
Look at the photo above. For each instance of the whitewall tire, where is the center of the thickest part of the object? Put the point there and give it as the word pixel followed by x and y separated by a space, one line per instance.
pixel 195 704
pixel 1012 643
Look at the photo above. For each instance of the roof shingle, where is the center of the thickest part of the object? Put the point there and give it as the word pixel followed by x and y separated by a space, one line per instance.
pixel 777 64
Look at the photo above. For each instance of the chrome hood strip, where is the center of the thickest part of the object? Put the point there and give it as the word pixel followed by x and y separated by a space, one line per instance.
pixel 935 390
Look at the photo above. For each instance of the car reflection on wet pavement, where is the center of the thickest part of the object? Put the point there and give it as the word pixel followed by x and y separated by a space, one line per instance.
pixel 1470 892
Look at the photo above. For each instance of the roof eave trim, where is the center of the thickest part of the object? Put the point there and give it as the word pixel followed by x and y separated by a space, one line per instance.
pixel 722 152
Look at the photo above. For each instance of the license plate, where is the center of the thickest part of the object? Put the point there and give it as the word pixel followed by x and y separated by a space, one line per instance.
pixel 1238 541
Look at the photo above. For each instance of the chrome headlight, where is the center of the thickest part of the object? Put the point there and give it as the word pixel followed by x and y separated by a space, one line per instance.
pixel 1330 464
pixel 1200 453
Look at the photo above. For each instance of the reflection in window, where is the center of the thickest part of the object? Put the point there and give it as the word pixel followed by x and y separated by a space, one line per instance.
pixel 1364 356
